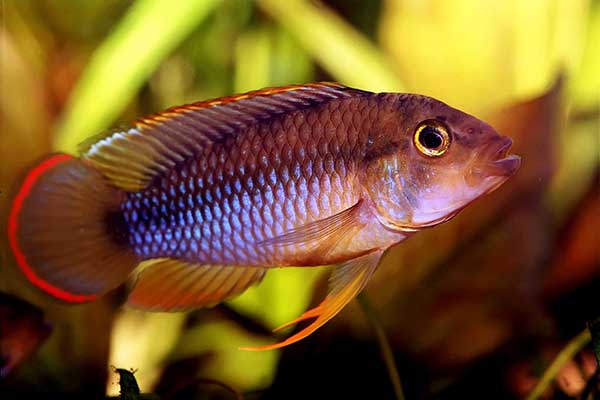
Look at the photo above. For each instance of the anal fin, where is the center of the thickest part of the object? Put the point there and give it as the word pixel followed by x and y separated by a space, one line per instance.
pixel 174 285
pixel 346 282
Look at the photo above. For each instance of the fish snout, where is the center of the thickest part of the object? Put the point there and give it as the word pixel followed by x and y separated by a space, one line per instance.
pixel 496 160
pixel 501 147
pixel 506 166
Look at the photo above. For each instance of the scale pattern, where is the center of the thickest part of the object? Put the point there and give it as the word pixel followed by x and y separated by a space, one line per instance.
pixel 217 206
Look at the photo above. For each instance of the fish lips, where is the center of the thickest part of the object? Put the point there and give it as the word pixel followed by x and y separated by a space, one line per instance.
pixel 498 163
pixel 506 166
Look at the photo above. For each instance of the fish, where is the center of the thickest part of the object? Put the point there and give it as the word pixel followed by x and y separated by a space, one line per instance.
pixel 193 205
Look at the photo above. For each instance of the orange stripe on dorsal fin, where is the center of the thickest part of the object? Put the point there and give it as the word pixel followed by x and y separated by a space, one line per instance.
pixel 346 282
pixel 130 158
pixel 174 285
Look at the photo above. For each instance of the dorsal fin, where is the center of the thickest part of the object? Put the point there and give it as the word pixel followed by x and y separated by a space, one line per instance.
pixel 131 158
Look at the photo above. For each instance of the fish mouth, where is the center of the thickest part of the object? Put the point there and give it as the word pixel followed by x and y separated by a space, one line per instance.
pixel 506 166
pixel 502 164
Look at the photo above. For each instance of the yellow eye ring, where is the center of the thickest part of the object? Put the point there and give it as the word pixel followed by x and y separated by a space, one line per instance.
pixel 431 138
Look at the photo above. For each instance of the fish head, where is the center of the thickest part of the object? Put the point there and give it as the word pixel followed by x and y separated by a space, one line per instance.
pixel 429 161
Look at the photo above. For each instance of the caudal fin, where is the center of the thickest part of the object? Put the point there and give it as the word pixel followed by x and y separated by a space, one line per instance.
pixel 66 231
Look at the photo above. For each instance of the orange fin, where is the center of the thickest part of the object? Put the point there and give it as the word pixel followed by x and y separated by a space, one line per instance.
pixel 174 285
pixel 132 157
pixel 322 232
pixel 66 231
pixel 347 280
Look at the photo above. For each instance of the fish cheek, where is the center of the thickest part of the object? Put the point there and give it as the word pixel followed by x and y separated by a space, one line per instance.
pixel 383 180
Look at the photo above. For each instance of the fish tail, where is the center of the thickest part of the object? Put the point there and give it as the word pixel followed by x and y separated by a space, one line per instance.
pixel 67 232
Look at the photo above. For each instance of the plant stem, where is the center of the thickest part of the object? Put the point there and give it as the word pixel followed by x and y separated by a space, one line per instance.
pixel 568 352
pixel 384 345
pixel 594 327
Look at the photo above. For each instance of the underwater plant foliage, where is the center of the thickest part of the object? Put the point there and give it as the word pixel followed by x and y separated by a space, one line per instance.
pixel 480 304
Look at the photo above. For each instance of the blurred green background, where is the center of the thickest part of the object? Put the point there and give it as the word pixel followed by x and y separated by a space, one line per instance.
pixel 502 275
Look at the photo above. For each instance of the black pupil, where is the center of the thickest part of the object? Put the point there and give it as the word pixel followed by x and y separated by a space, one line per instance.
pixel 431 138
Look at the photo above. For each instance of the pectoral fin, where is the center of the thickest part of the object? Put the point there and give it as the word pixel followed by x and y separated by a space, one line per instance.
pixel 321 234
pixel 347 280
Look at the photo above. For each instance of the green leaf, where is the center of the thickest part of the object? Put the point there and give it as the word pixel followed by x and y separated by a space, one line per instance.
pixel 269 56
pixel 252 54
pixel 282 296
pixel 142 341
pixel 245 370
pixel 586 86
pixel 149 31
pixel 343 51
pixel 290 63
pixel 477 55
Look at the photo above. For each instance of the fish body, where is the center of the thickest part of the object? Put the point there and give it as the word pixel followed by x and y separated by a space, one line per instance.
pixel 225 204
pixel 213 194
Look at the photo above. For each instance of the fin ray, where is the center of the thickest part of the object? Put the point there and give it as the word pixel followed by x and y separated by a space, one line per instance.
pixel 347 280
pixel 321 232
pixel 59 232
pixel 132 157
pixel 175 285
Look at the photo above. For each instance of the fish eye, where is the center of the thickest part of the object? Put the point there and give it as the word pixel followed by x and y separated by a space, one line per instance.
pixel 432 138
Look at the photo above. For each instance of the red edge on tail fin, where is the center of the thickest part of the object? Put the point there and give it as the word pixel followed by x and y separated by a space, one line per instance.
pixel 13 227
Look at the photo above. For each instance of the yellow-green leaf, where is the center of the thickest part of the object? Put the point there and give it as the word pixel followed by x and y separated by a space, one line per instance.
pixel 586 86
pixel 477 55
pixel 149 31
pixel 343 51
pixel 245 370
pixel 282 296
pixel 252 54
